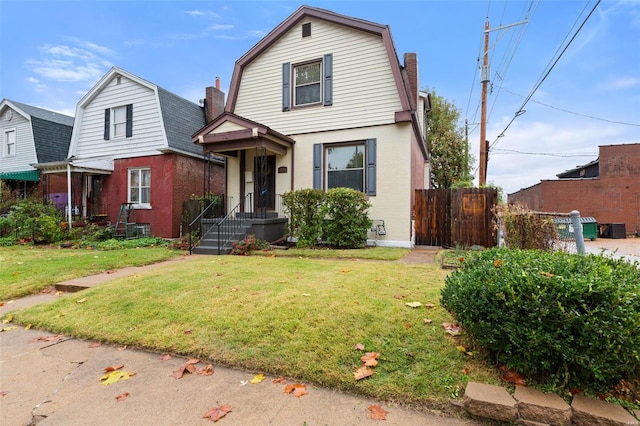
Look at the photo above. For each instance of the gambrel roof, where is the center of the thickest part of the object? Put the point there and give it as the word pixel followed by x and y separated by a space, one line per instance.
pixel 51 130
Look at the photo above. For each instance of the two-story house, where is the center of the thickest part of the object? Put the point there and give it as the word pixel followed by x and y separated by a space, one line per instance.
pixel 322 101
pixel 131 157
pixel 31 135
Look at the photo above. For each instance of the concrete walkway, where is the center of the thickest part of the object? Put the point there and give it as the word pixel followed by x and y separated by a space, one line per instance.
pixel 56 381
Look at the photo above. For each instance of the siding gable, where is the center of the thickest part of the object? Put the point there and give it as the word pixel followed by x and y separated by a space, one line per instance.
pixel 25 149
pixel 364 91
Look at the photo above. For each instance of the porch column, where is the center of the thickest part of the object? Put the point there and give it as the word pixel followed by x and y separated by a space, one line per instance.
pixel 69 194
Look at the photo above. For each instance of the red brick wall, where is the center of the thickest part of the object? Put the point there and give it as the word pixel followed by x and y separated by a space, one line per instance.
pixel 612 198
pixel 173 179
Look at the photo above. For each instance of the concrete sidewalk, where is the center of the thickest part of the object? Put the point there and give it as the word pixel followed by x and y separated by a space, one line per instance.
pixel 52 381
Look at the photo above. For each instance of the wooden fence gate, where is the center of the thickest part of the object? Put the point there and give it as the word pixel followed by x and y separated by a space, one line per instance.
pixel 455 217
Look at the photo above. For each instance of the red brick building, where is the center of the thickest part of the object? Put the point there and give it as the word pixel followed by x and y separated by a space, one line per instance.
pixel 607 189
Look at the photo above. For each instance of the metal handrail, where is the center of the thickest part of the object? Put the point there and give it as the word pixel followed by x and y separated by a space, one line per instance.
pixel 198 221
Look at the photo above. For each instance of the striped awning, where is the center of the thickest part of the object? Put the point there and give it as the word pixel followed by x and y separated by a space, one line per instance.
pixel 29 175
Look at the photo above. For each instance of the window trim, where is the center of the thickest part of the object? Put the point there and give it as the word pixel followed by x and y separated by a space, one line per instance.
pixel 139 204
pixel 326 83
pixel 320 172
pixel 5 142
pixel 122 123
pixel 356 144
pixel 320 84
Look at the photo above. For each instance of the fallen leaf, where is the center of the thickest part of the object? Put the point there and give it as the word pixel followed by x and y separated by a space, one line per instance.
pixel 95 345
pixel 362 372
pixel 122 348
pixel 244 382
pixel 512 376
pixel 27 327
pixel 12 327
pixel 3 393
pixel 429 305
pixel 280 380
pixel 206 370
pixel 188 367
pixel 115 376
pixel 8 319
pixel 465 371
pixel 413 304
pixel 122 396
pixel 188 331
pixel 257 379
pixel 345 270
pixel 428 321
pixel 297 389
pixel 166 357
pixel 1 303
pixel 452 329
pixel 53 338
pixel 84 299
pixel 216 413
pixel 359 346
pixel 399 296
pixel 377 412
pixel 113 368
pixel 234 289
pixel 407 326
pixel 370 359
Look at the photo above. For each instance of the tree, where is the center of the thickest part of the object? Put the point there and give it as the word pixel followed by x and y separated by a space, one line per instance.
pixel 449 150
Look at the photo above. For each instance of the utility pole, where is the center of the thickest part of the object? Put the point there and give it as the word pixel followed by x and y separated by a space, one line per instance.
pixel 484 79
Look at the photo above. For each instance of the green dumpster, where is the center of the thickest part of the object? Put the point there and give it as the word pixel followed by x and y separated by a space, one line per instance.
pixel 565 228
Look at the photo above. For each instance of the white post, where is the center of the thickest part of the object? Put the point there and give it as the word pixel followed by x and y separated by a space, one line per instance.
pixel 577 231
pixel 69 193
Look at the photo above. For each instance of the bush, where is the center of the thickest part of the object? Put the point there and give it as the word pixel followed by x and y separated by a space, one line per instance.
pixel 346 221
pixel 37 221
pixel 249 244
pixel 564 319
pixel 303 208
pixel 525 229
pixel 339 216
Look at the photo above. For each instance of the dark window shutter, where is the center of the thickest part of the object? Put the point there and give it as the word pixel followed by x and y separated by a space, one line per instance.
pixel 328 79
pixel 129 120
pixel 370 180
pixel 286 86
pixel 107 123
pixel 317 166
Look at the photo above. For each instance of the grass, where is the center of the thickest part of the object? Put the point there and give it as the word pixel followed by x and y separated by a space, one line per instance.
pixel 27 270
pixel 298 317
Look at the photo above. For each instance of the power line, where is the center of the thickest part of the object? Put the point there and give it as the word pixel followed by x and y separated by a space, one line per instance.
pixel 573 112
pixel 546 154
pixel 544 77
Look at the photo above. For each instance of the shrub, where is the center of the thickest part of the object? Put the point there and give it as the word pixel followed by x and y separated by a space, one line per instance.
pixel 249 244
pixel 565 319
pixel 525 229
pixel 37 221
pixel 303 208
pixel 346 221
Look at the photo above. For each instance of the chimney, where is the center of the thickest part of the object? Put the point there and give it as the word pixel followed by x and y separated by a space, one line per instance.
pixel 214 101
pixel 411 69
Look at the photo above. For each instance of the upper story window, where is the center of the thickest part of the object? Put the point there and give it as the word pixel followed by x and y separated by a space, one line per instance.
pixel 9 146
pixel 307 87
pixel 118 122
pixel 307 83
pixel 140 187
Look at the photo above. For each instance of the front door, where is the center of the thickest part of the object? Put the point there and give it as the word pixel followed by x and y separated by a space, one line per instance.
pixel 264 186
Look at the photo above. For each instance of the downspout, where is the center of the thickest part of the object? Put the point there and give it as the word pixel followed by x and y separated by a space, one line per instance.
pixel 69 194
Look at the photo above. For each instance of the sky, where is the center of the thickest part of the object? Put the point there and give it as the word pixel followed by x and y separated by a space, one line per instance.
pixel 562 83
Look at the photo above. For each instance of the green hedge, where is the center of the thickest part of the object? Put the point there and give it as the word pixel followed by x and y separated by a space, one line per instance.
pixel 562 319
pixel 338 216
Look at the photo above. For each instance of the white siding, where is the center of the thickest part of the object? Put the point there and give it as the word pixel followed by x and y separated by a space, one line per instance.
pixel 228 126
pixel 364 91
pixel 25 148
pixel 148 134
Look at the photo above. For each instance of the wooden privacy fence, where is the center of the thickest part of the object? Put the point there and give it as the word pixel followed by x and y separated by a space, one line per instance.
pixel 455 217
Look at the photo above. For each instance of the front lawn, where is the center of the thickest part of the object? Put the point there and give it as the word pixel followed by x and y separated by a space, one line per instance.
pixel 298 317
pixel 26 270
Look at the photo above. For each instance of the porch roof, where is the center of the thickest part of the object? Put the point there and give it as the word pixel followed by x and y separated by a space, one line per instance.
pixel 94 166
pixel 247 134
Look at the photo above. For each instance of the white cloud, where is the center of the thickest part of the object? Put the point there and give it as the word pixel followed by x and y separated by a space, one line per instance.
pixel 616 83
pixel 248 34
pixel 217 27
pixel 197 12
pixel 68 71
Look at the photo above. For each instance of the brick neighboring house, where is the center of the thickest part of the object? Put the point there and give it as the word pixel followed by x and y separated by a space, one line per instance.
pixel 607 189
pixel 321 102
pixel 30 135
pixel 131 144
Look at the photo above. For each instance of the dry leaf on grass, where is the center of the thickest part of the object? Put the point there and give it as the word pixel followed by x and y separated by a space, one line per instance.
pixel 359 346
pixel 216 413
pixel 362 373
pixel 413 304
pixel 512 376
pixel 452 329
pixel 377 412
